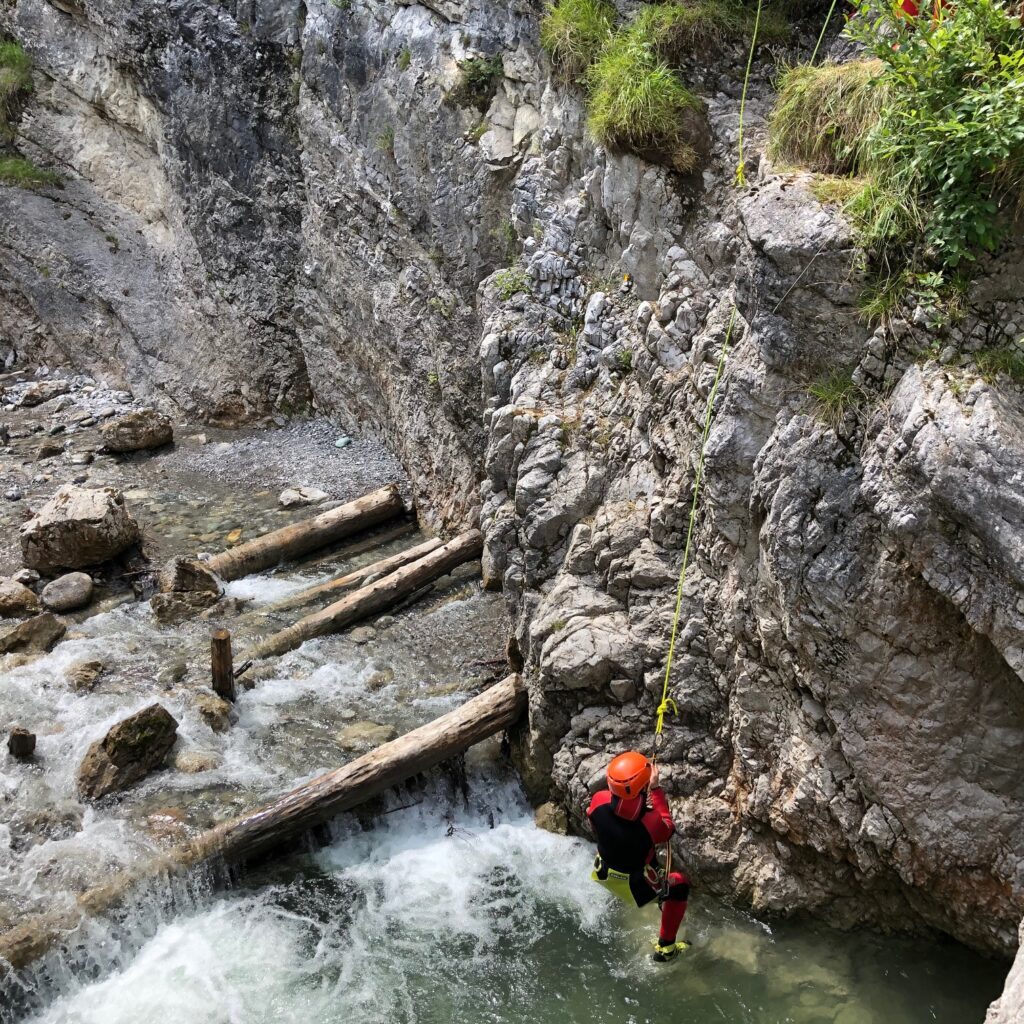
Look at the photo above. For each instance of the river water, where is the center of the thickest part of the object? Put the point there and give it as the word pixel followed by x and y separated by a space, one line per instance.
pixel 452 907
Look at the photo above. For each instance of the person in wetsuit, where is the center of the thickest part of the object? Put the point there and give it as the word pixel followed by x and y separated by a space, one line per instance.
pixel 630 819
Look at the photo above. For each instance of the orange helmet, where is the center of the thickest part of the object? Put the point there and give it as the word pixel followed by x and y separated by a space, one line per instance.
pixel 629 774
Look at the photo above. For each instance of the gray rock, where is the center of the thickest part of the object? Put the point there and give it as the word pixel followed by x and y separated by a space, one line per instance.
pixel 21 744
pixel 68 593
pixel 363 736
pixel 185 575
pixel 83 675
pixel 1009 1007
pixel 33 636
pixel 42 391
pixel 552 818
pixel 214 711
pixel 297 497
pixel 169 609
pixel 137 431
pixel 78 527
pixel 129 751
pixel 16 600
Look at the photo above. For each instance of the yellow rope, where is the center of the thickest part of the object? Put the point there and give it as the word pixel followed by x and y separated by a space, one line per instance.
pixel 828 18
pixel 741 174
pixel 667 703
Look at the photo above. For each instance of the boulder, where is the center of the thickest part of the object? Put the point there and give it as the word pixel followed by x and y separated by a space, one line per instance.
pixel 16 600
pixel 365 735
pixel 21 743
pixel 82 675
pixel 42 391
pixel 169 609
pixel 297 497
pixel 129 751
pixel 68 593
pixel 184 575
pixel 77 527
pixel 137 431
pixel 552 818
pixel 33 636
pixel 214 711
pixel 26 577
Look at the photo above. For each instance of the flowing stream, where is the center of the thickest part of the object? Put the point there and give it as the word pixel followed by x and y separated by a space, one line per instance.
pixel 451 907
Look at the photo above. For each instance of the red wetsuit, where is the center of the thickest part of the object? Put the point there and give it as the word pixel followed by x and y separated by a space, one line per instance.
pixel 628 834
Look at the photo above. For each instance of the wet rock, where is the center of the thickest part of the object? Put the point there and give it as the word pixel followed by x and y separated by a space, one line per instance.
pixel 48 449
pixel 362 736
pixel 362 634
pixel 1009 1007
pixel 16 600
pixel 129 751
pixel 172 672
pixel 26 577
pixel 33 636
pixel 167 824
pixel 552 818
pixel 82 675
pixel 192 762
pixel 137 431
pixel 214 711
pixel 380 679
pixel 21 743
pixel 68 593
pixel 78 527
pixel 297 497
pixel 169 609
pixel 185 575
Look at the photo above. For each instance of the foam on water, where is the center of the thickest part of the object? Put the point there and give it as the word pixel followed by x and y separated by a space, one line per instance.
pixel 461 915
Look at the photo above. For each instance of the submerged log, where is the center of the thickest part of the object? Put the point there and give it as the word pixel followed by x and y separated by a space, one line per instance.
pixel 377 539
pixel 300 538
pixel 374 598
pixel 332 587
pixel 306 806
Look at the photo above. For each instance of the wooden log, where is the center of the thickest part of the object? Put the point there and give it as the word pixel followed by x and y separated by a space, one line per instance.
pixel 222 670
pixel 372 599
pixel 300 538
pixel 260 831
pixel 376 539
pixel 332 587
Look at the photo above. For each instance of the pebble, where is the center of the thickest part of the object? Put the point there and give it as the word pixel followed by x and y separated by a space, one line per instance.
pixel 343 442
pixel 13 494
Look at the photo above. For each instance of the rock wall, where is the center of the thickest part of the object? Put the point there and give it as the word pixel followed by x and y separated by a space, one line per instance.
pixel 269 206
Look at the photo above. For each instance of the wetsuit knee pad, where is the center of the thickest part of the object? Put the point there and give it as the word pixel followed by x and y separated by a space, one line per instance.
pixel 678 887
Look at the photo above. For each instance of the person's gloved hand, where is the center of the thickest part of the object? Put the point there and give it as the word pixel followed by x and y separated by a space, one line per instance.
pixel 654 777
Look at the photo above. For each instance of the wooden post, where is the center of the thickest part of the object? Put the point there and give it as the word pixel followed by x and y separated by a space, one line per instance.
pixel 222 671
pixel 260 831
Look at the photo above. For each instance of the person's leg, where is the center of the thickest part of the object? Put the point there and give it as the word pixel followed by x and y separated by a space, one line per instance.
pixel 673 909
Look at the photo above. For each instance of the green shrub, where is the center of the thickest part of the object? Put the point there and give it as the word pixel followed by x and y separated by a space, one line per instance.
pixel 638 103
pixel 834 396
pixel 824 115
pixel 574 32
pixel 16 170
pixel 15 85
pixel 386 140
pixel 951 136
pixel 479 78
pixel 511 281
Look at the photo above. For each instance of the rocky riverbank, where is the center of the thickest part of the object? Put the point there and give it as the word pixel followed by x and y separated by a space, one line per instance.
pixel 850 665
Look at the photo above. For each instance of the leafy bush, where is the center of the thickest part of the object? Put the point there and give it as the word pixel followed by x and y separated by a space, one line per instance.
pixel 951 136
pixel 574 32
pixel 15 85
pixel 511 281
pixel 479 78
pixel 16 170
pixel 824 115
pixel 637 102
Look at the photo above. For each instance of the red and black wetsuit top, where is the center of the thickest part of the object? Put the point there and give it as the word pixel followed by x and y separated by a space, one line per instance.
pixel 628 831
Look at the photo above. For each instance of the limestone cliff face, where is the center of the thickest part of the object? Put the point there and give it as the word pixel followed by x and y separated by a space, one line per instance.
pixel 269 206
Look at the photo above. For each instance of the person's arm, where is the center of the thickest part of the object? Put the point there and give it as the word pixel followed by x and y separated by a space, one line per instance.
pixel 658 820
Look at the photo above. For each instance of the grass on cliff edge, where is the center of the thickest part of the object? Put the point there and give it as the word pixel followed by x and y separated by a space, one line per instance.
pixel 637 102
pixel 16 170
pixel 574 32
pixel 15 85
pixel 834 396
pixel 933 120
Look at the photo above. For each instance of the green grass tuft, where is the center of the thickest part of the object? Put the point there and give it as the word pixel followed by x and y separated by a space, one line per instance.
pixel 16 170
pixel 510 282
pixel 479 78
pixel 834 396
pixel 404 59
pixel 15 85
pixel 638 103
pixel 574 32
pixel 1007 361
pixel 832 190
pixel 824 115
pixel 681 30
